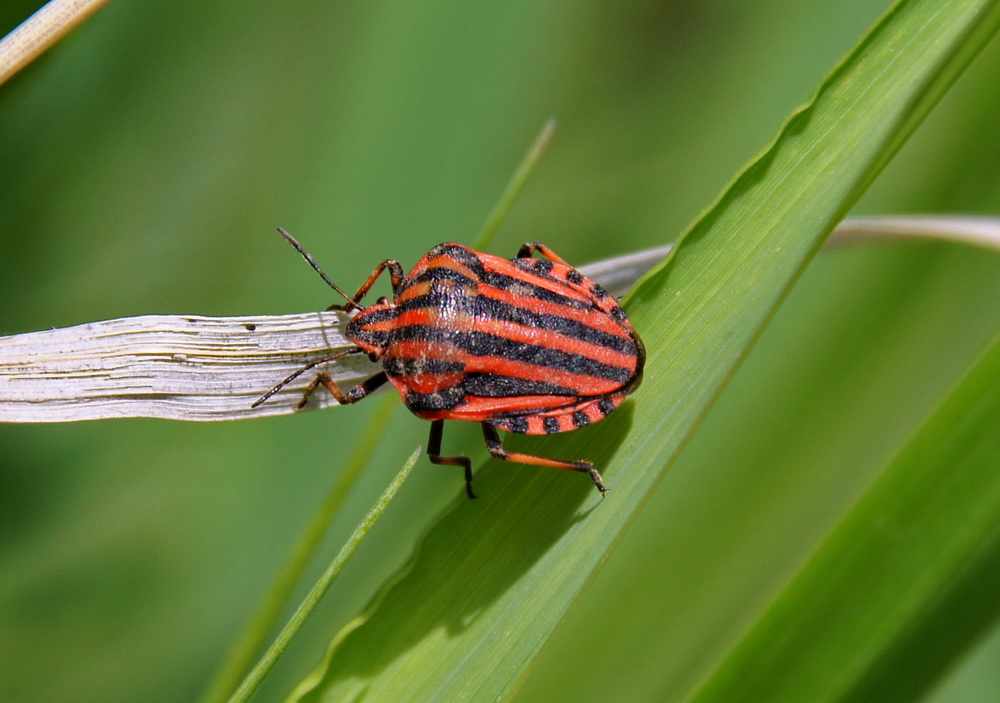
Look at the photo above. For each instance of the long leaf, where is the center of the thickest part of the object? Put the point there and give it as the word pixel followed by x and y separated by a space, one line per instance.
pixel 858 624
pixel 490 580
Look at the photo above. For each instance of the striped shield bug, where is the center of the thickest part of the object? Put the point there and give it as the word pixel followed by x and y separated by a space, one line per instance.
pixel 527 345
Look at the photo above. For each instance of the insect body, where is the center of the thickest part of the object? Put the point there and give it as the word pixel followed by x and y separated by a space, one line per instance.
pixel 525 345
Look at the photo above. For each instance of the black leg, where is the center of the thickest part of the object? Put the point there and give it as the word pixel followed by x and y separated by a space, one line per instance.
pixel 434 454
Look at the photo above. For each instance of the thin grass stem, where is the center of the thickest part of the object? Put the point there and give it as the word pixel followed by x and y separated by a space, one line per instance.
pixel 255 678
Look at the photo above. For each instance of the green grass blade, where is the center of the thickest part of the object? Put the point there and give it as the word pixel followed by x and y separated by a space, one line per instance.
pixel 255 678
pixel 490 580
pixel 904 583
pixel 514 187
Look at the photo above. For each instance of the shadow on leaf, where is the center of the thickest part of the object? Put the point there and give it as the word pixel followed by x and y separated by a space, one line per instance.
pixel 472 555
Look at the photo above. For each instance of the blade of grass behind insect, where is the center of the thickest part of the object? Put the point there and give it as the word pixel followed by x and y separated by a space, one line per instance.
pixel 255 678
pixel 514 187
pixel 490 580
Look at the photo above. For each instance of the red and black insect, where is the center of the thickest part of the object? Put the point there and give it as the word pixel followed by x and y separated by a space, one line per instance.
pixel 525 345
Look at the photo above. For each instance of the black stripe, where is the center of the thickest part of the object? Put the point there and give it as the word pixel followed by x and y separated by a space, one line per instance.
pixel 358 328
pixel 440 273
pixel 526 287
pixel 516 424
pixel 491 278
pixel 371 317
pixel 482 344
pixel 442 400
pixel 574 277
pixel 456 252
pixel 399 366
pixel 606 406
pixel 500 310
pixel 540 266
pixel 439 299
pixel 491 385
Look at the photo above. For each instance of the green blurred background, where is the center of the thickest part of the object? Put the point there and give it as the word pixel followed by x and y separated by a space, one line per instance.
pixel 145 162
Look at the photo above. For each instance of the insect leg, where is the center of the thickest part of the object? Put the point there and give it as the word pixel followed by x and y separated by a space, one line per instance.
pixel 359 392
pixel 434 454
pixel 529 248
pixel 395 274
pixel 496 448
pixel 292 377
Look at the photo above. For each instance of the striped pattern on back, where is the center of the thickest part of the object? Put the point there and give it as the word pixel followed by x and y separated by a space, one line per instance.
pixel 527 345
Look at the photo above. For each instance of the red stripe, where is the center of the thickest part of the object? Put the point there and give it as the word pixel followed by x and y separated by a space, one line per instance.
pixel 583 384
pixel 509 330
pixel 553 340
pixel 599 319
pixel 416 349
pixel 477 409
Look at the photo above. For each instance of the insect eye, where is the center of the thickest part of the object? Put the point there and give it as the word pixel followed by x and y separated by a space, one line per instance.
pixel 382 301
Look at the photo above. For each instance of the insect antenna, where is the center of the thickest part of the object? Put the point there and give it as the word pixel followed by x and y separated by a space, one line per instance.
pixel 311 365
pixel 351 305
